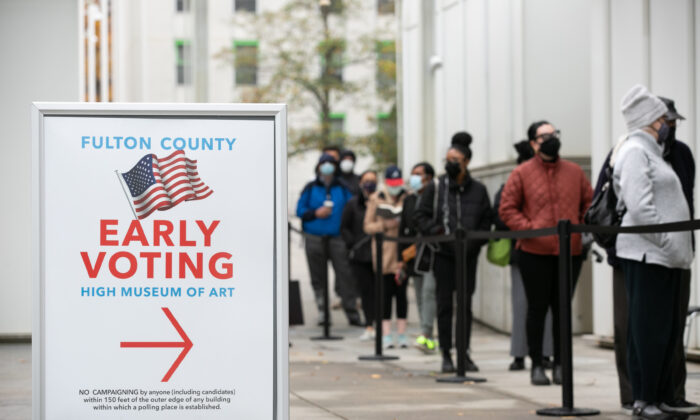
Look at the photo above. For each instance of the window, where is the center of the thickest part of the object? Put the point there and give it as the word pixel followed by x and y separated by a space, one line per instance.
pixel 336 6
pixel 183 57
pixel 385 124
pixel 385 7
pixel 244 5
pixel 246 59
pixel 386 65
pixel 337 127
pixel 182 5
pixel 334 49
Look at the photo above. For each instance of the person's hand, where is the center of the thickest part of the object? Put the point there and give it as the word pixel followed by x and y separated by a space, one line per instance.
pixel 323 212
pixel 391 223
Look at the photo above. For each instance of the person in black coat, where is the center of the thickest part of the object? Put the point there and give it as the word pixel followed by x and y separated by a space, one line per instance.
pixel 347 171
pixel 359 247
pixel 462 202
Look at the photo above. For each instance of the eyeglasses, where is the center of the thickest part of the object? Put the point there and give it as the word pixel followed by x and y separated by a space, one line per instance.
pixel 547 136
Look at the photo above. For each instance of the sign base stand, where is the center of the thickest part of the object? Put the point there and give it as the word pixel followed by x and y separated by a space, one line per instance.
pixel 567 412
pixel 326 337
pixel 378 357
pixel 460 379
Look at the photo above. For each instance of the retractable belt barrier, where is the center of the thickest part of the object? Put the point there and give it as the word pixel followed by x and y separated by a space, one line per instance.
pixel 563 230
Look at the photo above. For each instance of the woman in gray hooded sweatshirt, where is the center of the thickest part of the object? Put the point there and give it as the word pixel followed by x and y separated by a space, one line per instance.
pixel 650 191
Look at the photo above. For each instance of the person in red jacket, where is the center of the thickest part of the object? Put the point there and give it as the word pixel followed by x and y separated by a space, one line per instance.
pixel 538 194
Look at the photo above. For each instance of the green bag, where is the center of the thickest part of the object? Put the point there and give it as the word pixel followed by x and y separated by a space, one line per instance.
pixel 498 251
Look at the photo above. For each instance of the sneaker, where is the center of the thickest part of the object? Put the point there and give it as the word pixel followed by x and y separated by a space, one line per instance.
pixel 556 374
pixel 388 341
pixel 447 366
pixel 469 365
pixel 547 362
pixel 537 376
pixel 518 364
pixel 627 409
pixel 367 335
pixel 680 407
pixel 424 344
pixel 649 412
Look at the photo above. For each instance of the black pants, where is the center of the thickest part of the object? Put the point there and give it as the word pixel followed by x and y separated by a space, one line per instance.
pixel 364 278
pixel 321 249
pixel 621 309
pixel 652 296
pixel 391 289
pixel 541 281
pixel 444 290
pixel 620 314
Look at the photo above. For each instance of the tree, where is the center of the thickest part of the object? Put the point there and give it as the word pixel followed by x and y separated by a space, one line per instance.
pixel 303 51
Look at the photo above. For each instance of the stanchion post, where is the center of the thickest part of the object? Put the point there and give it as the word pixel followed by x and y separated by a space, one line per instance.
pixel 565 340
pixel 326 299
pixel 378 303
pixel 460 246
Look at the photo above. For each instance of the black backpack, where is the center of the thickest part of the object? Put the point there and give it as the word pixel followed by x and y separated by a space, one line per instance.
pixel 604 211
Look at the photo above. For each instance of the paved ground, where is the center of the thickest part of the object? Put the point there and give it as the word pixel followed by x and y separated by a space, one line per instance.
pixel 328 382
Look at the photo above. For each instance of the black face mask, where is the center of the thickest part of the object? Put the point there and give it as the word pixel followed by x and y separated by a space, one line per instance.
pixel 453 169
pixel 663 133
pixel 369 187
pixel 668 143
pixel 550 147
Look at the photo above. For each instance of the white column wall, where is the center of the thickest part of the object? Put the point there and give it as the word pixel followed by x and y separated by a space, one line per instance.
pixel 653 42
pixel 41 64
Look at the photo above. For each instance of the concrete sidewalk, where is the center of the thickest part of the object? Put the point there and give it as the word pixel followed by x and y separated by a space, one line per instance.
pixel 328 382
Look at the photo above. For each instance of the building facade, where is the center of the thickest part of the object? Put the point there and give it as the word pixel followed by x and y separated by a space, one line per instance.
pixel 494 66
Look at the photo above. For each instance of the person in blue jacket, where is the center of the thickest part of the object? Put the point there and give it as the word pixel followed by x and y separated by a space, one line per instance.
pixel 320 208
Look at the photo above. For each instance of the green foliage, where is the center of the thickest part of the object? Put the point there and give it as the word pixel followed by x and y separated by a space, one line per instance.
pixel 302 54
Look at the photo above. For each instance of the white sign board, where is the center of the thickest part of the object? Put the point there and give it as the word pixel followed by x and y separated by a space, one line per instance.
pixel 160 261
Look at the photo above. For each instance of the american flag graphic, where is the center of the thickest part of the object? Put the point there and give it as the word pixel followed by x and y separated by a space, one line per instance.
pixel 160 184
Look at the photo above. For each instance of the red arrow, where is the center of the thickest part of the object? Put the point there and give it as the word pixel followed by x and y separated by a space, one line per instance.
pixel 186 344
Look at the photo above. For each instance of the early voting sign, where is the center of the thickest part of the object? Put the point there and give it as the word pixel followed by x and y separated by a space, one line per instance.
pixel 160 265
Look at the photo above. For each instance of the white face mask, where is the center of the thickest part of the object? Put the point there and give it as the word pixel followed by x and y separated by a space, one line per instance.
pixel 347 165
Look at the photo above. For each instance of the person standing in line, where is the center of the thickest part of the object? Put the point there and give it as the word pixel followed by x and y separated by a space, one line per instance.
pixel 347 174
pixel 418 259
pixel 538 194
pixel 462 202
pixel 518 336
pixel 359 249
pixel 650 192
pixel 333 151
pixel 383 216
pixel 320 208
pixel 679 155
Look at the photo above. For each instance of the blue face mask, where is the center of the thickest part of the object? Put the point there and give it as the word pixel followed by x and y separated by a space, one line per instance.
pixel 394 191
pixel 415 182
pixel 327 168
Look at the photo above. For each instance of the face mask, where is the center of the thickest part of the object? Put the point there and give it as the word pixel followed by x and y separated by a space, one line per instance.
pixel 415 182
pixel 550 147
pixel 394 191
pixel 663 133
pixel 369 187
pixel 453 169
pixel 669 142
pixel 327 168
pixel 347 165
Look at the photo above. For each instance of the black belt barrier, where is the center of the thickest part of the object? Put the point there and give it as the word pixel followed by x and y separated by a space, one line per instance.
pixel 563 230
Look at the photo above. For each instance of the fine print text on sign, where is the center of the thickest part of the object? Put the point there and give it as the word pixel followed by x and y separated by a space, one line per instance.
pixel 148 281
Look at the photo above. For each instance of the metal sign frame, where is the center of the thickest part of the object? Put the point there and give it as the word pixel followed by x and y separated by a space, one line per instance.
pixel 277 112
